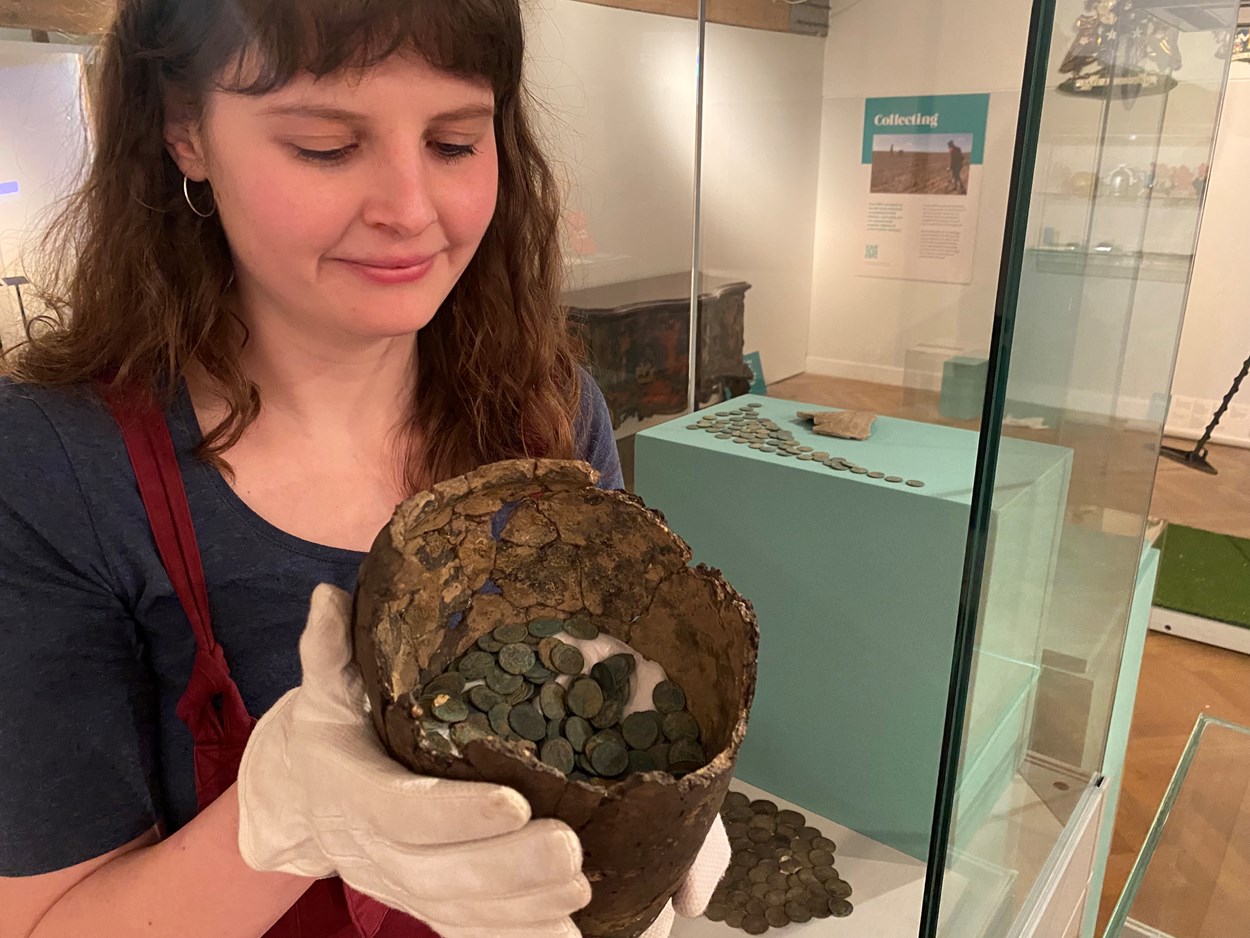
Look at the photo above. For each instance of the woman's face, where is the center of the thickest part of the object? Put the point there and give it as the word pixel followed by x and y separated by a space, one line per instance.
pixel 352 203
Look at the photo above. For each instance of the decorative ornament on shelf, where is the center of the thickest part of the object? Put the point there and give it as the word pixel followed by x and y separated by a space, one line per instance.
pixel 1120 51
pixel 1241 44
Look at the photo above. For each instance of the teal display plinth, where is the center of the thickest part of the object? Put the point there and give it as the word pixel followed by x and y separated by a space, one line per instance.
pixel 856 583
pixel 963 387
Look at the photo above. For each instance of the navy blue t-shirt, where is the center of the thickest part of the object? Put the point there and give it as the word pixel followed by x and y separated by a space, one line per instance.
pixel 95 650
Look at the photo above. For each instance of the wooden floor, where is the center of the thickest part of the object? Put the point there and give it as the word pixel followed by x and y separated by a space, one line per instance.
pixel 1179 678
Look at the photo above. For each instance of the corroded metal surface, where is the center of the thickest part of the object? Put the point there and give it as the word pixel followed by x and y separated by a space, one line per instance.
pixel 529 539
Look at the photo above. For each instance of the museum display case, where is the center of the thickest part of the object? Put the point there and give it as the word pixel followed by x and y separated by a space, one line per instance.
pixel 1189 878
pixel 985 245
pixel 972 221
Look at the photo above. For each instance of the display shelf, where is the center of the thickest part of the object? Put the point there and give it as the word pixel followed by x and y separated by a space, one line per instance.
pixel 888 889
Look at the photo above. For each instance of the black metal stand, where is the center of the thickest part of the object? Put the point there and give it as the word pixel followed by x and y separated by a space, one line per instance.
pixel 1197 457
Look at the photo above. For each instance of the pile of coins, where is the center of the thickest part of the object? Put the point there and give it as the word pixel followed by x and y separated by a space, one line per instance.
pixel 745 427
pixel 782 870
pixel 527 685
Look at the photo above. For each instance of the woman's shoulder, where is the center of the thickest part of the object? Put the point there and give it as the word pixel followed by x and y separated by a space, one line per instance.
pixel 45 426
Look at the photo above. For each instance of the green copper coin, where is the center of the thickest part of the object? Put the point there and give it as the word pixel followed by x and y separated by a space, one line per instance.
pixel 501 682
pixel 839 888
pixel 567 659
pixel 528 723
pixel 641 730
pixel 894 479
pixel 551 701
pixel 475 665
pixel 680 725
pixel 819 858
pixel 440 743
pixel 686 755
pixel 876 475
pixel 483 698
pixel 582 629
pixel 498 717
pixel 545 648
pixel 558 754
pixel 659 755
pixel 639 762
pixel 487 643
pixel 545 628
pixel 584 698
pixel 840 908
pixel 606 678
pixel 915 483
pixel 609 715
pixel 668 697
pixel 622 666
pixel 449 709
pixel 452 682
pixel 553 730
pixel 797 911
pixel 577 731
pixel 608 754
pixel 693 426
pixel 525 691
pixel 516 658
pixel 476 727
pixel 510 633
pixel 539 674
pixel 823 843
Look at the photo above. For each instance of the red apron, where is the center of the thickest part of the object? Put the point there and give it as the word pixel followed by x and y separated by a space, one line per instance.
pixel 212 707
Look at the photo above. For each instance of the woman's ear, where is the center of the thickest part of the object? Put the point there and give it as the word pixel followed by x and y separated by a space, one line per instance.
pixel 183 138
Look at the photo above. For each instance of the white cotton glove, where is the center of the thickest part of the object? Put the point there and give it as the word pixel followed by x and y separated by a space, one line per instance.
pixel 319 796
pixel 696 889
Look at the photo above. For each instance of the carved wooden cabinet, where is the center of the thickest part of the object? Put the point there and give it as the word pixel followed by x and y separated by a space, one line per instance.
pixel 637 335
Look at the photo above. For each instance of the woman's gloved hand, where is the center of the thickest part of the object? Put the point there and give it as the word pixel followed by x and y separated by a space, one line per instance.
pixel 696 890
pixel 319 796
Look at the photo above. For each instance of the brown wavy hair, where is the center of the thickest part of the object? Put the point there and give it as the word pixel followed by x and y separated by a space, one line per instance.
pixel 138 286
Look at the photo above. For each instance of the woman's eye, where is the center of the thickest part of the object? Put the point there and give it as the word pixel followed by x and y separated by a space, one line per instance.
pixel 324 156
pixel 454 152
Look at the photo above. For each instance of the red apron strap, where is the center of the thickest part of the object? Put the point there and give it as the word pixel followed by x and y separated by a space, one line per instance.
pixel 155 463
pixel 211 707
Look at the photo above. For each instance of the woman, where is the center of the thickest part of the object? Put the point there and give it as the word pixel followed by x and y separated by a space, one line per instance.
pixel 284 196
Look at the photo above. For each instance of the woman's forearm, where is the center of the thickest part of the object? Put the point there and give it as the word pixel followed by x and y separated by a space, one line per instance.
pixel 193 884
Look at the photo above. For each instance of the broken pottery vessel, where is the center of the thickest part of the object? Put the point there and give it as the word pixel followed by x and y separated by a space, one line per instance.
pixel 844 424
pixel 528 539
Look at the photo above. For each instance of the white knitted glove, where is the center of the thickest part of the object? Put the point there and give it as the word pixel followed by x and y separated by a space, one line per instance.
pixel 319 796
pixel 697 888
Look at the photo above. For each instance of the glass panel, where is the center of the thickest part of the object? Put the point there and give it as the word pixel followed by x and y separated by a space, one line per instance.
pixel 42 149
pixel 809 141
pixel 1131 102
pixel 1190 878
pixel 619 94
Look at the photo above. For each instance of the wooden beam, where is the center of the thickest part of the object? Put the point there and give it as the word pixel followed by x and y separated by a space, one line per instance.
pixel 755 14
pixel 75 17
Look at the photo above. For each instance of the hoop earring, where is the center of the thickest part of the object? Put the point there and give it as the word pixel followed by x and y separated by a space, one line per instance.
pixel 186 194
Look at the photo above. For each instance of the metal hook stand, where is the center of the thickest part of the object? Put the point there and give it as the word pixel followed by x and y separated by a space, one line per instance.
pixel 17 283
pixel 1196 458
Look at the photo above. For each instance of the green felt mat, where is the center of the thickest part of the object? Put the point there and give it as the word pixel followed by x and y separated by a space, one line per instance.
pixel 1205 574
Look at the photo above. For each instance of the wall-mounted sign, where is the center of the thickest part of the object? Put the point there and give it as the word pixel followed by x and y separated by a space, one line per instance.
pixel 922 160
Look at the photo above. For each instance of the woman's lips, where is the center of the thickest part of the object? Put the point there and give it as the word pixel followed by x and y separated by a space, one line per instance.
pixel 390 272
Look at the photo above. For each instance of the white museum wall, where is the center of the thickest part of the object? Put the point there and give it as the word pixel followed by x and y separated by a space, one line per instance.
pixel 620 89
pixel 1216 335
pixel 862 327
